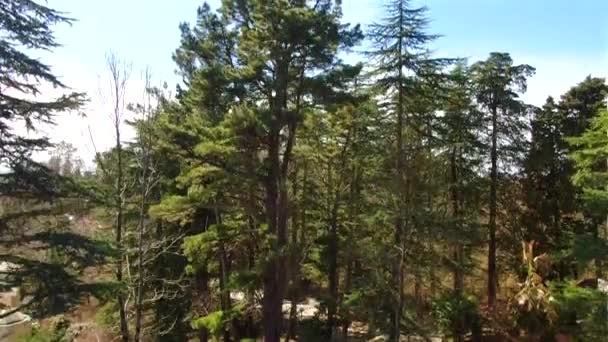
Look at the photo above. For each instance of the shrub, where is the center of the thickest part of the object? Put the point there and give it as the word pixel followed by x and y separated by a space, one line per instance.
pixel 457 314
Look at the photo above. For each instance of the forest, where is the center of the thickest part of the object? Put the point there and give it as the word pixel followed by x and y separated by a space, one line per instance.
pixel 280 193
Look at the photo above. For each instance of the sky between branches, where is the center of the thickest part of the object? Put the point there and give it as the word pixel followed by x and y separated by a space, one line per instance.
pixel 564 40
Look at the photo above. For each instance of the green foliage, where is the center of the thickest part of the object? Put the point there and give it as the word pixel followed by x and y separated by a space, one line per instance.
pixel 214 322
pixel 174 209
pixel 588 247
pixel 199 248
pixel 107 316
pixel 582 312
pixel 311 330
pixel 217 321
pixel 28 26
pixel 455 313
pixel 278 169
pixel 590 155
pixel 56 332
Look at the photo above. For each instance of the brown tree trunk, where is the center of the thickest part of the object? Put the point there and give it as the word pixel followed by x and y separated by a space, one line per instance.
pixel 294 265
pixel 458 247
pixel 492 273
pixel 280 142
pixel 124 324
pixel 250 328
pixel 202 287
pixel 200 223
pixel 224 274
pixel 332 307
pixel 418 295
pixel 347 285
pixel 140 252
pixel 224 292
pixel 398 276
pixel 277 201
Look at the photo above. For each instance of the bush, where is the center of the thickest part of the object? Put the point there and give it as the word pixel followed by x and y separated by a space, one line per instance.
pixel 582 312
pixel 457 314
pixel 312 330
pixel 108 315
pixel 56 332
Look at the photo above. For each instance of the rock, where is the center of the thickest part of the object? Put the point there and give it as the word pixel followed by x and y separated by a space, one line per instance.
pixel 11 298
pixel 6 267
pixel 588 283
pixel 11 323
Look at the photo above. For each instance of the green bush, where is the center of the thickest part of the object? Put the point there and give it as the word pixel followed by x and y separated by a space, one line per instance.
pixel 56 332
pixel 457 314
pixel 216 322
pixel 581 312
pixel 312 330
pixel 108 315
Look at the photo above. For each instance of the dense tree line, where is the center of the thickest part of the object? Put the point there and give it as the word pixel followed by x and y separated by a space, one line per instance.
pixel 399 193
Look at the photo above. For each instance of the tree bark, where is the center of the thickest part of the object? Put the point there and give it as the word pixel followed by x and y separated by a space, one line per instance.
pixel 458 247
pixel 295 265
pixel 332 308
pixel 118 84
pixel 492 273
pixel 277 200
pixel 398 277
pixel 140 271
pixel 202 286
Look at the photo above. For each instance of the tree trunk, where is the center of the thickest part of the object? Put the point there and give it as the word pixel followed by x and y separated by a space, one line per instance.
pixel 492 273
pixel 140 252
pixel 224 292
pixel 200 223
pixel 418 294
pixel 332 307
pixel 140 271
pixel 224 266
pixel 276 207
pixel 202 287
pixel 295 265
pixel 250 328
pixel 458 247
pixel 277 198
pixel 124 325
pixel 347 286
pixel 398 277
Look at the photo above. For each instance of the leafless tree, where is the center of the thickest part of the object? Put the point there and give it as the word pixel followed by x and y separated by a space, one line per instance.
pixel 119 73
pixel 147 181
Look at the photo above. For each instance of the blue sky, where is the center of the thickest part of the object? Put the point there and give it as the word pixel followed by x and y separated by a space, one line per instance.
pixel 564 39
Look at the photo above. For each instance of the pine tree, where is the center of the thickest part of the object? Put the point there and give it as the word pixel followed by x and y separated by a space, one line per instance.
pixel 459 131
pixel 35 197
pixel 590 158
pixel 247 71
pixel 190 202
pixel 401 55
pixel 27 25
pixel 460 142
pixel 497 82
pixel 281 43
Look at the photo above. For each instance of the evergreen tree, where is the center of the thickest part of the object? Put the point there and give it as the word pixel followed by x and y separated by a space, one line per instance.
pixel 256 56
pixel 460 141
pixel 402 57
pixel 27 26
pixel 38 202
pixel 555 214
pixel 590 158
pixel 497 82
